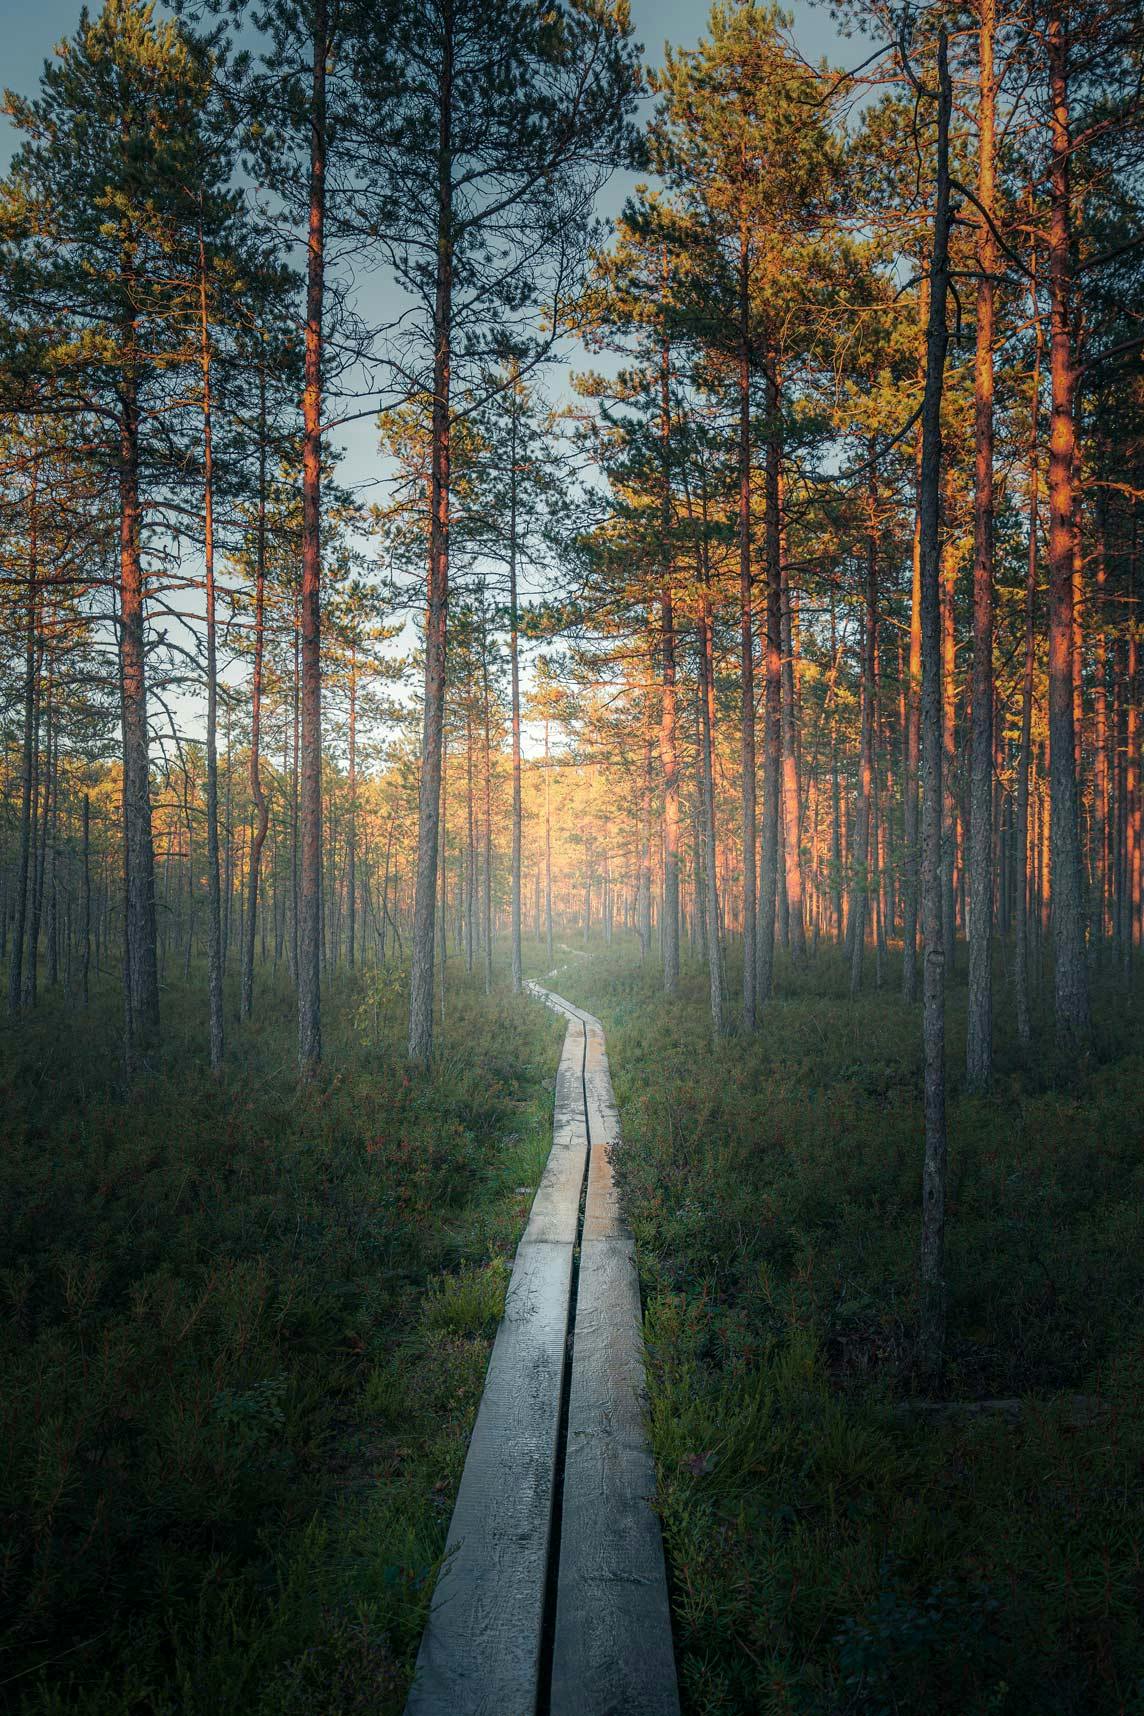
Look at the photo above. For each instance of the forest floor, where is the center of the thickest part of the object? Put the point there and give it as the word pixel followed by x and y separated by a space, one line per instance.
pixel 245 1330
pixel 831 1552
pixel 243 1336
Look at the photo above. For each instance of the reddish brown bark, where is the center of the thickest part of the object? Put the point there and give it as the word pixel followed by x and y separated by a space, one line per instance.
pixel 1070 965
pixel 310 759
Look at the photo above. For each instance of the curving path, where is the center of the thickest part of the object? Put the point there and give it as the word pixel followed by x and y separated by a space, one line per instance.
pixel 553 1599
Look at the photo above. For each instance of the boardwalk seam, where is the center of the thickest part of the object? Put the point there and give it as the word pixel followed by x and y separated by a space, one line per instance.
pixel 552 1571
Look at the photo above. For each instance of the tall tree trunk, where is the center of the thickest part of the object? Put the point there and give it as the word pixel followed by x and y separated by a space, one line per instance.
pixel 913 750
pixel 643 893
pixel 310 889
pixel 471 845
pixel 792 819
pixel 949 739
pixel 257 794
pixel 436 619
pixel 979 859
pixel 1024 763
pixel 931 1344
pixel 1101 819
pixel 747 641
pixel 517 954
pixel 548 849
pixel 85 883
pixel 772 735
pixel 863 819
pixel 214 895
pixel 835 792
pixel 351 832
pixel 668 740
pixel 442 924
pixel 141 953
pixel 27 753
pixel 706 702
pixel 487 901
pixel 1071 969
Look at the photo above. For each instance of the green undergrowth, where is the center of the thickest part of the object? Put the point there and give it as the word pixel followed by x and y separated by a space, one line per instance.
pixel 244 1333
pixel 833 1552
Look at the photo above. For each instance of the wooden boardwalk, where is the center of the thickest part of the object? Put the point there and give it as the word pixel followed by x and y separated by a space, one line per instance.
pixel 553 1598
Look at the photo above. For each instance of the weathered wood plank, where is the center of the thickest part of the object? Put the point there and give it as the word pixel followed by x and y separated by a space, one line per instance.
pixel 612 1653
pixel 480 1652
pixel 556 1207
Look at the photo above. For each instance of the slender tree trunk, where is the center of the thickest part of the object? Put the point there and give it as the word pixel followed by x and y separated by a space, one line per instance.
pixel 949 734
pixel 769 857
pixel 351 854
pixel 141 963
pixel 1024 764
pixel 310 889
pixel 1100 749
pixel 214 895
pixel 442 914
pixel 706 701
pixel 27 754
pixel 1071 968
pixel 862 823
pixel 257 794
pixel 931 1345
pixel 548 850
pixel 488 854
pixel 835 799
pixel 517 954
pixel 471 837
pixel 85 944
pixel 913 721
pixel 436 620
pixel 791 814
pixel 747 642
pixel 979 859
pixel 643 896
pixel 668 740
pixel 1134 853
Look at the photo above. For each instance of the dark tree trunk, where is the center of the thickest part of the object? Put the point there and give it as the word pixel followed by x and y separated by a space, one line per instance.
pixel 860 864
pixel 436 619
pixel 1071 968
pixel 214 895
pixel 979 858
pixel 772 735
pixel 747 644
pixel 310 885
pixel 257 794
pixel 791 818
pixel 668 740
pixel 1024 762
pixel 517 954
pixel 141 962
pixel 706 701
pixel 931 1344
pixel 27 755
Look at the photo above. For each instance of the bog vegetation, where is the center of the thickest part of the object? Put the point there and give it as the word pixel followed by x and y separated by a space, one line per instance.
pixel 741 590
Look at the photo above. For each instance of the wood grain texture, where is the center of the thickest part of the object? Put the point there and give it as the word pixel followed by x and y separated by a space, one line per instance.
pixel 480 1652
pixel 613 1653
pixel 556 1206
